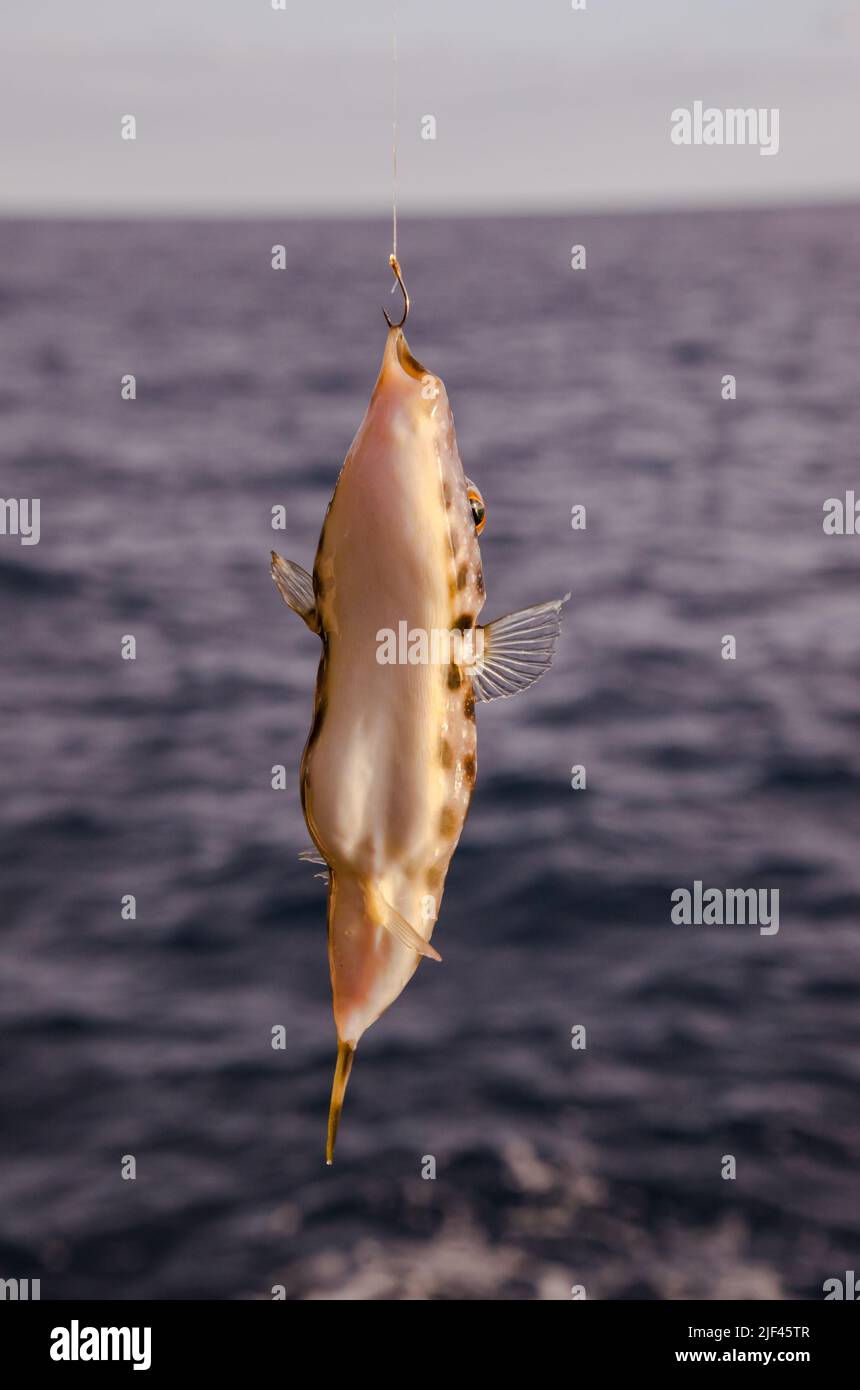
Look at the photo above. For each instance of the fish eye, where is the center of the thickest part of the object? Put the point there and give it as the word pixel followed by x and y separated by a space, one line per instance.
pixel 479 511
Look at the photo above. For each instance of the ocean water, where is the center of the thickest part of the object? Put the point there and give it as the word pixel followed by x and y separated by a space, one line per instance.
pixel 554 1167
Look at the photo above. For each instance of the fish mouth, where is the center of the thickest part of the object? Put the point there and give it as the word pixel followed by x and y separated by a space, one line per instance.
pixel 405 358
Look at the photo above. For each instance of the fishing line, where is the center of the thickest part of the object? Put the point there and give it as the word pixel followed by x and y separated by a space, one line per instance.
pixel 394 137
pixel 392 259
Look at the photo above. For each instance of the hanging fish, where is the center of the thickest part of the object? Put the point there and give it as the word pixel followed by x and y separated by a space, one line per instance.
pixel 389 766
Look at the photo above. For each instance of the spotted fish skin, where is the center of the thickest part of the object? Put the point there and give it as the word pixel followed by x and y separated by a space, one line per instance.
pixel 390 763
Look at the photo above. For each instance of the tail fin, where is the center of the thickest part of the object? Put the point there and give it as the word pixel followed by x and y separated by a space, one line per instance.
pixel 368 969
pixel 345 1054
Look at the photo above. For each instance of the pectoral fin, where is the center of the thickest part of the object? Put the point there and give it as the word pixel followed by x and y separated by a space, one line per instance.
pixel 388 917
pixel 517 650
pixel 296 588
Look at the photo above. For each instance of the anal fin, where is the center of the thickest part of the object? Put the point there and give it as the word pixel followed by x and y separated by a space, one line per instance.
pixel 313 856
pixel 389 918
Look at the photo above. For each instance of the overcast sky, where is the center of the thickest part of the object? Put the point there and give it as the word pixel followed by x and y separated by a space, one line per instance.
pixel 242 109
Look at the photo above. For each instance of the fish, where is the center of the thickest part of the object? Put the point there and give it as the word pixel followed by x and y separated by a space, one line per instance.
pixel 390 763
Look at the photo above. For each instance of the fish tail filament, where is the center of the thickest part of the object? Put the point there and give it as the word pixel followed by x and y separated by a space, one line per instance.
pixel 345 1054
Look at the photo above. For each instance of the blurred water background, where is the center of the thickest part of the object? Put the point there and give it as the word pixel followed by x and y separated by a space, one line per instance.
pixel 555 1167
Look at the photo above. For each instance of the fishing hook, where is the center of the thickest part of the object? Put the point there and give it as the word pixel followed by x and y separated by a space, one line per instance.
pixel 393 262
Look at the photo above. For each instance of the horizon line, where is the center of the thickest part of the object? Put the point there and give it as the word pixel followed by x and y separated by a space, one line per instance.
pixel 177 213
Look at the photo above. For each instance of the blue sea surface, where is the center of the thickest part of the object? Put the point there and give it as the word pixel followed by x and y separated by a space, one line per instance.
pixel 152 1038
